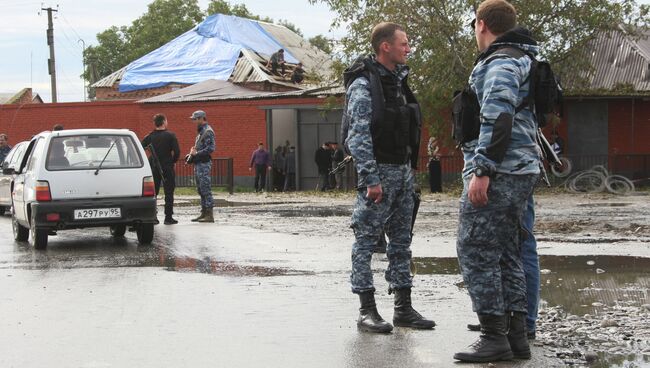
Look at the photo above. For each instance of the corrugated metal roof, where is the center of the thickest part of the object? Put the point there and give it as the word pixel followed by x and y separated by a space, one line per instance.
pixel 110 80
pixel 216 90
pixel 618 60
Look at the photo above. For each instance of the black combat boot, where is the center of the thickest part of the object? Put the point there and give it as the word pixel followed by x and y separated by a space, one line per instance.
pixel 405 315
pixel 202 215
pixel 208 216
pixel 492 345
pixel 517 336
pixel 369 319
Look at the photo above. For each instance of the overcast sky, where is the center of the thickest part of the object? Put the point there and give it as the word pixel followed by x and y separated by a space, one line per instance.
pixel 24 51
pixel 23 44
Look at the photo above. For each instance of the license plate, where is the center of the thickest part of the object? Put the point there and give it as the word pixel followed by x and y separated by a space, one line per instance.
pixel 97 213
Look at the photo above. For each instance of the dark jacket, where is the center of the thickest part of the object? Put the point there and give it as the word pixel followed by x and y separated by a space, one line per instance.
pixel 165 144
pixel 323 159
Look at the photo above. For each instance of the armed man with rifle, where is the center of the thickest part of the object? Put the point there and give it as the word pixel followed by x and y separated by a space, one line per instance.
pixel 381 130
pixel 165 151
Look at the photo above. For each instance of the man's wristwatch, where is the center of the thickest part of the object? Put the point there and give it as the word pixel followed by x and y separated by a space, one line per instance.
pixel 481 171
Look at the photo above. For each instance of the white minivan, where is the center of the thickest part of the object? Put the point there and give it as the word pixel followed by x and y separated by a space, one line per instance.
pixel 78 178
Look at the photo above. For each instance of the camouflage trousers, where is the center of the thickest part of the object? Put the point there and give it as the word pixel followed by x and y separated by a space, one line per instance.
pixel 203 186
pixel 489 245
pixel 393 213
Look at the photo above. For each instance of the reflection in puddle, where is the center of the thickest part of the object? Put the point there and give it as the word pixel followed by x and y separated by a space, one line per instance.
pixel 62 258
pixel 580 284
pixel 584 284
pixel 211 266
pixel 588 290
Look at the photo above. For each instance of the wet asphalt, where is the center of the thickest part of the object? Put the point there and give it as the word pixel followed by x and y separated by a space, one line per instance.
pixel 207 295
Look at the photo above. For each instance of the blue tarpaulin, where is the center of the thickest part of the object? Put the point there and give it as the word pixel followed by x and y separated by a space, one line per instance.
pixel 208 51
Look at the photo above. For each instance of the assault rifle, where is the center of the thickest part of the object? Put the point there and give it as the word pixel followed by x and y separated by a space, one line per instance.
pixel 341 166
pixel 548 154
pixel 156 162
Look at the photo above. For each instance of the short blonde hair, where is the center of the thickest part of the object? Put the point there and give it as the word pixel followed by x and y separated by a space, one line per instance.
pixel 383 32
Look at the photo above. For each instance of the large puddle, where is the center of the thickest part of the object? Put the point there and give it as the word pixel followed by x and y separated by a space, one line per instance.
pixel 589 303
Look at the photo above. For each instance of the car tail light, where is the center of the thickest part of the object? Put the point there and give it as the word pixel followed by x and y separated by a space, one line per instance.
pixel 148 187
pixel 43 191
pixel 52 217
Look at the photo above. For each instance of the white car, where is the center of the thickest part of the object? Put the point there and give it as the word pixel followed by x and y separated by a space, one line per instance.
pixel 80 178
pixel 9 165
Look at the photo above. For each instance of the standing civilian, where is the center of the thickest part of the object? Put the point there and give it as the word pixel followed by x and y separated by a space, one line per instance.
pixel 262 162
pixel 165 144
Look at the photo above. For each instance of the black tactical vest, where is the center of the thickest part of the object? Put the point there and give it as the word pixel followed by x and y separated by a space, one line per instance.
pixel 396 118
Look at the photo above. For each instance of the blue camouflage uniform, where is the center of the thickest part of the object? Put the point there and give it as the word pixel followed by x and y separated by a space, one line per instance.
pixel 489 237
pixel 395 210
pixel 203 165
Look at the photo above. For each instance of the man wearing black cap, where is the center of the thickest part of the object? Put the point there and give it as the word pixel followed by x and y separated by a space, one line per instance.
pixel 200 156
pixel 165 145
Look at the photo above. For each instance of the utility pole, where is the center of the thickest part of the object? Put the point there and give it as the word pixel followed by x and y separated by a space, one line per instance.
pixel 83 62
pixel 51 65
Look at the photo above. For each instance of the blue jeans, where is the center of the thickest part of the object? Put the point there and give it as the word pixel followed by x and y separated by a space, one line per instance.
pixel 530 261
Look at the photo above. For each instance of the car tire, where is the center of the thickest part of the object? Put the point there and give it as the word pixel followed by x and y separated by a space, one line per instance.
pixel 3 210
pixel 21 233
pixel 145 233
pixel 118 231
pixel 38 237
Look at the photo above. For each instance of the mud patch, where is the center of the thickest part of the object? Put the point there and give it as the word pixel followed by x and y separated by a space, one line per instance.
pixel 221 203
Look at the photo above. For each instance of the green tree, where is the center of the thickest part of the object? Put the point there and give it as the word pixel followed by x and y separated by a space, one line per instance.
pixel 444 49
pixel 238 10
pixel 321 42
pixel 291 26
pixel 163 21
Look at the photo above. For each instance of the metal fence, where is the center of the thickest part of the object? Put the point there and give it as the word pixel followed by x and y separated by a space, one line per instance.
pixel 221 174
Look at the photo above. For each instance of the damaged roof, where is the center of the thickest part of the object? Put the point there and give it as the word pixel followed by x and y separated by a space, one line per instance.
pixel 217 90
pixel 222 47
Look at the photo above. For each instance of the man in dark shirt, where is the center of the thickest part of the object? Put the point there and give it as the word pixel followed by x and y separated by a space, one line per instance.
pixel 277 59
pixel 298 74
pixel 323 158
pixel 165 145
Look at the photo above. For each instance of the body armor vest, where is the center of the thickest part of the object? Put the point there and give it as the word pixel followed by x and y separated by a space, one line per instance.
pixel 396 119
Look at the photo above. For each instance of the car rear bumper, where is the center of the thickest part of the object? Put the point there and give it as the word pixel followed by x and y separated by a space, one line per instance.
pixel 140 210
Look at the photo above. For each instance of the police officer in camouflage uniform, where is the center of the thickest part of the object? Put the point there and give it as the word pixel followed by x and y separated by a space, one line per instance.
pixel 200 153
pixel 382 130
pixel 501 169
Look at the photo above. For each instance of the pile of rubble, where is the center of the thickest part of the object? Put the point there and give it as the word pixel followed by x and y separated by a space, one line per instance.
pixel 616 331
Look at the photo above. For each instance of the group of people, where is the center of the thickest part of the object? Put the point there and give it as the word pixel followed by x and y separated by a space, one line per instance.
pixel 165 152
pixel 283 165
pixel 328 156
pixel 496 247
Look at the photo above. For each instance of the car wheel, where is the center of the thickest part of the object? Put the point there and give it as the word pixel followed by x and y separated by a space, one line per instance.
pixel 38 237
pixel 21 233
pixel 145 233
pixel 3 210
pixel 118 231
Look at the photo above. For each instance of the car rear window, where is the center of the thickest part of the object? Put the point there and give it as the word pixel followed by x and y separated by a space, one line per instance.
pixel 83 152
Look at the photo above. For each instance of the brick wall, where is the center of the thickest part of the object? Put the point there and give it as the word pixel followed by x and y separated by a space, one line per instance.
pixel 238 125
